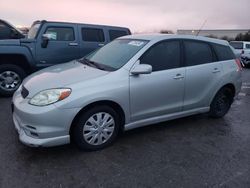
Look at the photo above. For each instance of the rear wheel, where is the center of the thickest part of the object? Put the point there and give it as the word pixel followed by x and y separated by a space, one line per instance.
pixel 11 77
pixel 96 128
pixel 221 103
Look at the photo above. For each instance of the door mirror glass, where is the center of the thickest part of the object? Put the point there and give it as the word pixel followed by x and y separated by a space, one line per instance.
pixel 141 69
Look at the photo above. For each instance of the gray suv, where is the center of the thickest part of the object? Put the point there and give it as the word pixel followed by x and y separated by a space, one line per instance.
pixel 131 82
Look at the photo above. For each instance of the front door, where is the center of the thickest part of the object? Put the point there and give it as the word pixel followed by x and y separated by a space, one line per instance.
pixel 160 92
pixel 63 46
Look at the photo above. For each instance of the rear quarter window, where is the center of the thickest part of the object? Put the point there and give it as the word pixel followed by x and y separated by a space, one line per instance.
pixel 223 52
pixel 113 34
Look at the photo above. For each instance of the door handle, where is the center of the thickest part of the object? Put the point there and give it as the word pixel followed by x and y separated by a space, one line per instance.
pixel 73 44
pixel 215 70
pixel 178 77
pixel 100 44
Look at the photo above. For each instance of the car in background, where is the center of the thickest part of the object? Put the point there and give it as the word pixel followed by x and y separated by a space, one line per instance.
pixel 131 82
pixel 8 31
pixel 49 43
pixel 242 48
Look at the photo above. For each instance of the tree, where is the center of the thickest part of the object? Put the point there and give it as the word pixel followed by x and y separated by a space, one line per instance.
pixel 243 36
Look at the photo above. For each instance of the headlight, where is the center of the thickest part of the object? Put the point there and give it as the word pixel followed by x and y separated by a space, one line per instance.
pixel 50 96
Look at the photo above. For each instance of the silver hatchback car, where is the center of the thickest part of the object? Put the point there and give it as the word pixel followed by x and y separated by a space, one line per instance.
pixel 131 82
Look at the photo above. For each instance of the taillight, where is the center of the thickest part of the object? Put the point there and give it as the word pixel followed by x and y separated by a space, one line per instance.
pixel 237 61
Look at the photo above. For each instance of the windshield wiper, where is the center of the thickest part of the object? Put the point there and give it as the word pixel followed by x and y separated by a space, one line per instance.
pixel 87 62
pixel 95 64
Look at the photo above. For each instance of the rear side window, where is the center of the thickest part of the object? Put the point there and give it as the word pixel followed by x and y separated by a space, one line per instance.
pixel 92 35
pixel 113 34
pixel 61 33
pixel 162 56
pixel 223 52
pixel 197 53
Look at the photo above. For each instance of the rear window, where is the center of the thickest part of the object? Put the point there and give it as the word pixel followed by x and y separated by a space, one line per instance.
pixel 223 52
pixel 197 53
pixel 113 34
pixel 92 35
pixel 237 45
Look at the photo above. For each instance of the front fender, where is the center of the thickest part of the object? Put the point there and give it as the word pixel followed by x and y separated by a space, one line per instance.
pixel 18 50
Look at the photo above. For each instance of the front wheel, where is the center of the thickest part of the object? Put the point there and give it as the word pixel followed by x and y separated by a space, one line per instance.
pixel 221 103
pixel 11 77
pixel 96 128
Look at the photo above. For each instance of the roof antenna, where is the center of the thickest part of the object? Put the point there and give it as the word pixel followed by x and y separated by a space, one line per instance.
pixel 201 28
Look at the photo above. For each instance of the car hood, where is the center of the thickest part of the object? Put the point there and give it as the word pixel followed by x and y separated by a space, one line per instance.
pixel 10 42
pixel 59 76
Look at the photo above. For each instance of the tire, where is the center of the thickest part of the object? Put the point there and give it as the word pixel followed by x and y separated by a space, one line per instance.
pixel 11 77
pixel 221 103
pixel 91 136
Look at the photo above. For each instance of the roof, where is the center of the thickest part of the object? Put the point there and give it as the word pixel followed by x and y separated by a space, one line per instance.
pixel 159 37
pixel 60 22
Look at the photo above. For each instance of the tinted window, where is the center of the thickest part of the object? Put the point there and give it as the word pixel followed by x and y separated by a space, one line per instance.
pixel 162 56
pixel 61 33
pixel 237 45
pixel 92 35
pixel 248 46
pixel 197 53
pixel 113 34
pixel 4 31
pixel 223 52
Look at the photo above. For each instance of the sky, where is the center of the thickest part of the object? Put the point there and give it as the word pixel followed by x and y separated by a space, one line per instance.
pixel 138 15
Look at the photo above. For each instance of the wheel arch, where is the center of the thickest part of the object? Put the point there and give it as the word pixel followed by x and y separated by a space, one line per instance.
pixel 19 60
pixel 229 86
pixel 109 103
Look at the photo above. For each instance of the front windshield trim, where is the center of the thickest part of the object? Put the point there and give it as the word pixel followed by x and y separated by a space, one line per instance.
pixel 37 31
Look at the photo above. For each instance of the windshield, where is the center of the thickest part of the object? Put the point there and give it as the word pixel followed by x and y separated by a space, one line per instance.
pixel 33 31
pixel 117 53
pixel 237 45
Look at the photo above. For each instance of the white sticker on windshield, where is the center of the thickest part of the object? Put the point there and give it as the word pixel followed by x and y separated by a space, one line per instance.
pixel 136 43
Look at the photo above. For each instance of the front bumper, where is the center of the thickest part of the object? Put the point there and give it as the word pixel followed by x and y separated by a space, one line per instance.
pixel 41 126
pixel 38 142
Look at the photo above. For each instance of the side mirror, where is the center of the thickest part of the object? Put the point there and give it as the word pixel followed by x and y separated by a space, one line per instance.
pixel 141 69
pixel 45 40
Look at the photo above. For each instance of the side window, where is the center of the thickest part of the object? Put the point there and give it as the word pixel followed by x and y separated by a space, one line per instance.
pixel 61 33
pixel 197 53
pixel 162 56
pixel 223 52
pixel 113 34
pixel 248 46
pixel 4 31
pixel 92 35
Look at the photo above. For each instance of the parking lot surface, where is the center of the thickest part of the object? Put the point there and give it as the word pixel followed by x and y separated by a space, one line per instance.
pixel 196 151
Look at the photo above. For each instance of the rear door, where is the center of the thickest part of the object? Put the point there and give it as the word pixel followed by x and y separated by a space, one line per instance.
pixel 160 92
pixel 203 72
pixel 92 38
pixel 62 48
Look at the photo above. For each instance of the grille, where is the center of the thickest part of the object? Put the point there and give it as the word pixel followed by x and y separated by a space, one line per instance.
pixel 24 92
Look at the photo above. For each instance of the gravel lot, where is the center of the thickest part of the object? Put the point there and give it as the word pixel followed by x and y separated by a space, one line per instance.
pixel 190 152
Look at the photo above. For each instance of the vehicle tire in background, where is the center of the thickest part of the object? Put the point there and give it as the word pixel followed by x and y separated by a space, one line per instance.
pixel 96 128
pixel 11 77
pixel 221 103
